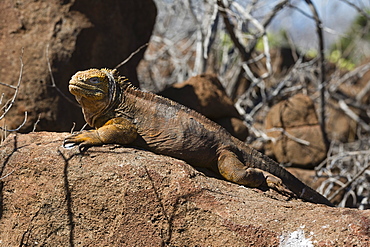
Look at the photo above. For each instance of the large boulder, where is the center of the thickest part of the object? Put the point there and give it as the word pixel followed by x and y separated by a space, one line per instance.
pixel 114 196
pixel 71 35
pixel 294 125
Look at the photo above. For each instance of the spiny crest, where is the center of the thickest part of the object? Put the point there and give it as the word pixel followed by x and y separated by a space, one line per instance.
pixel 113 75
pixel 124 82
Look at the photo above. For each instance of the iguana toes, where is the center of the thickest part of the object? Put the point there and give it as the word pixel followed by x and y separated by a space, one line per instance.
pixel 123 114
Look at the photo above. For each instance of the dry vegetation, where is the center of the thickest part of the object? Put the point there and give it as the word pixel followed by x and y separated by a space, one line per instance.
pixel 231 39
pixel 6 106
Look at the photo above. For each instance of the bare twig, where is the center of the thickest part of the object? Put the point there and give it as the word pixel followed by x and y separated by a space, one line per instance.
pixel 131 55
pixel 53 85
pixel 16 89
pixel 73 127
pixel 290 136
pixel 353 115
pixel 35 125
pixel 6 175
pixel 199 50
pixel 322 73
pixel 266 21
pixel 7 85
pixel 350 162
pixel 211 29
pixel 364 91
pixel 262 31
pixel 245 50
pixel 10 103
pixel 351 75
pixel 360 10
pixel 301 11
pixel 83 127
pixel 19 127
pixel 346 185
pixel 230 29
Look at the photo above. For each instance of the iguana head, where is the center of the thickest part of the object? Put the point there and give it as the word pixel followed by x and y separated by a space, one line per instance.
pixel 95 90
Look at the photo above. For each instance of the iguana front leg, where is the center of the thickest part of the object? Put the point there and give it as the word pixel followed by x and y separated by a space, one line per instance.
pixel 117 130
pixel 232 169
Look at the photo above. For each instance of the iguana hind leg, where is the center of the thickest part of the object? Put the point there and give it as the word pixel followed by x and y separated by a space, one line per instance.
pixel 116 130
pixel 232 169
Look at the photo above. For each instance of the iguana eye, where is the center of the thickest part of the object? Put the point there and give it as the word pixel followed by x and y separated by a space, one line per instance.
pixel 94 80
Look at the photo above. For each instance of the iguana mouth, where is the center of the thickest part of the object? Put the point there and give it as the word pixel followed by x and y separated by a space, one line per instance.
pixel 85 89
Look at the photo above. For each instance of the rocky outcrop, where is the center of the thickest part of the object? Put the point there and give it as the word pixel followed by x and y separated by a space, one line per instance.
pixel 115 196
pixel 205 94
pixel 71 35
pixel 294 125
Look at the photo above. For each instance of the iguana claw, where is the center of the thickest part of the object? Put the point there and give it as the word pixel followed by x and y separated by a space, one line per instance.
pixel 275 183
pixel 83 140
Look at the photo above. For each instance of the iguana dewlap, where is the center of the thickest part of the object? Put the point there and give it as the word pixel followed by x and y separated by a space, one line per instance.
pixel 123 115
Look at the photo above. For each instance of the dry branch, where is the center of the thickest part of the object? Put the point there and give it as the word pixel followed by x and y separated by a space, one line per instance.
pixel 359 10
pixel 322 72
pixel 53 85
pixel 131 55
pixel 350 162
pixel 11 102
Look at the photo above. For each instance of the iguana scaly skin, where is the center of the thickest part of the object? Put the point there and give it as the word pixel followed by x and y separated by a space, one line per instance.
pixel 123 115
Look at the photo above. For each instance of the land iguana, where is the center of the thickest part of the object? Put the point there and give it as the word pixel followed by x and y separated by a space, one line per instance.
pixel 123 114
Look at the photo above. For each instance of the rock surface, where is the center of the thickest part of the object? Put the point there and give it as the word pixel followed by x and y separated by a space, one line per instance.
pixel 292 119
pixel 114 196
pixel 72 35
